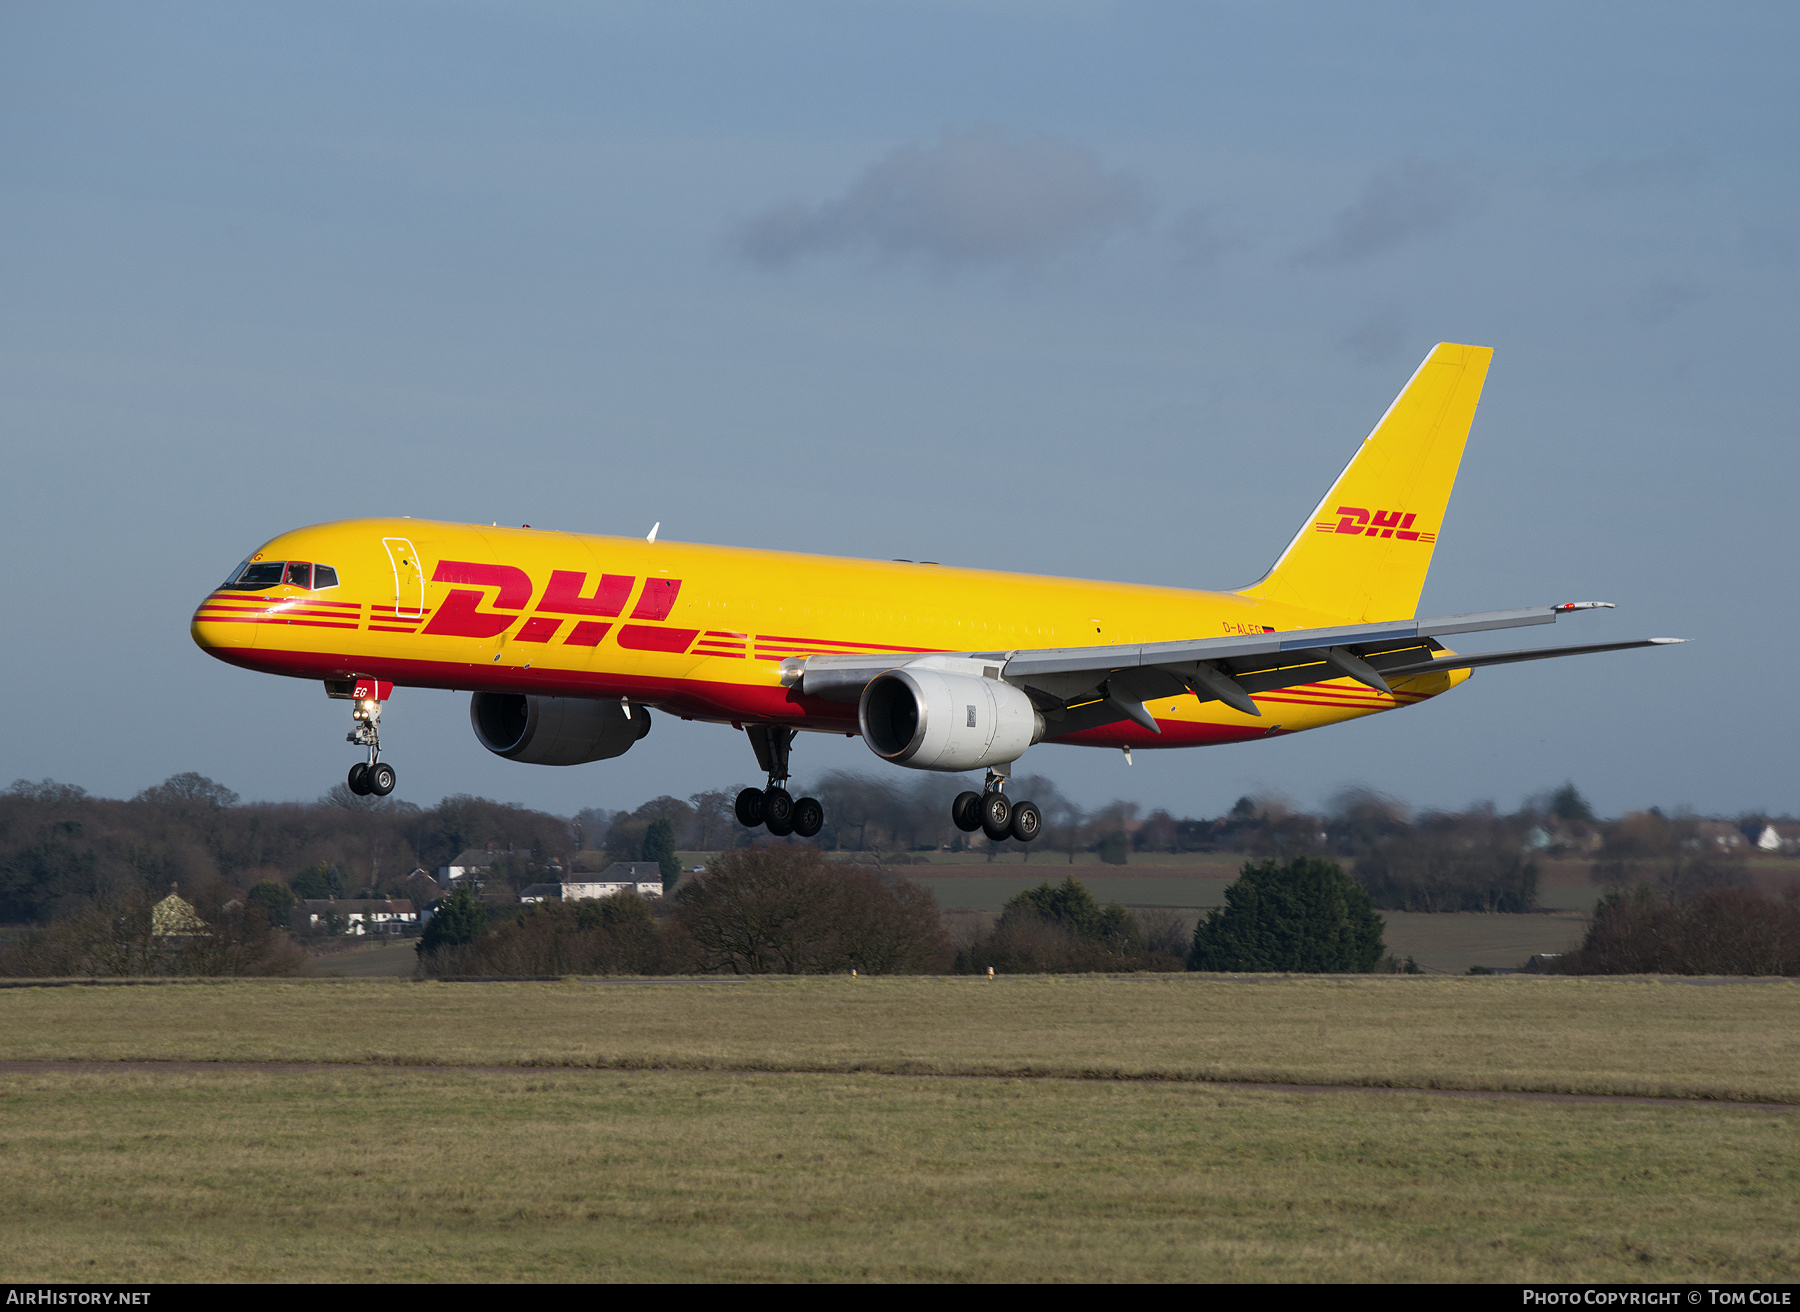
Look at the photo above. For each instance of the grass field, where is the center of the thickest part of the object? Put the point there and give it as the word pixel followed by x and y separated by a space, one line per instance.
pixel 372 1174
pixel 1676 1038
pixel 755 1140
pixel 1024 1129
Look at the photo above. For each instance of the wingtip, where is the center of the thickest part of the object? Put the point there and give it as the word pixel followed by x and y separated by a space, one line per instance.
pixel 1664 642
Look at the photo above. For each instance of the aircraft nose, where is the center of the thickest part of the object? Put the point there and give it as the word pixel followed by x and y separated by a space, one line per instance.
pixel 225 619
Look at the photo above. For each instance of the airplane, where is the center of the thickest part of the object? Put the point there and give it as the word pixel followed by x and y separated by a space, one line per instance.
pixel 568 640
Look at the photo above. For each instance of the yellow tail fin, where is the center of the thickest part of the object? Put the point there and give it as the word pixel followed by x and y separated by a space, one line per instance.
pixel 1362 555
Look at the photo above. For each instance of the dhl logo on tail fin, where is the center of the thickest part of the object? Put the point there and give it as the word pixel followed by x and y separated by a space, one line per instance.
pixel 1363 553
pixel 1358 522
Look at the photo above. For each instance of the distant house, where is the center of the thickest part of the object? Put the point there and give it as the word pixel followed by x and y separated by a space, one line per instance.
pixel 1779 838
pixel 1718 834
pixel 641 877
pixel 472 862
pixel 174 917
pixel 542 893
pixel 356 915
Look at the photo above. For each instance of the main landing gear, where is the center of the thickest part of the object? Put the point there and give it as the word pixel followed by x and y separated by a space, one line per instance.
pixel 374 777
pixel 773 807
pixel 996 815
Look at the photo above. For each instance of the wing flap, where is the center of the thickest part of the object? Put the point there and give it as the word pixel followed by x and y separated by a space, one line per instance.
pixel 1101 685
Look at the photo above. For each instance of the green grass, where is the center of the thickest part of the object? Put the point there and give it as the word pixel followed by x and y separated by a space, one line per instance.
pixel 1451 943
pixel 900 1128
pixel 371 961
pixel 1615 1036
pixel 378 1174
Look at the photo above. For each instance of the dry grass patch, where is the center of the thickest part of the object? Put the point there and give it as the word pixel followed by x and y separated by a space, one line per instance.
pixel 1623 1036
pixel 361 1174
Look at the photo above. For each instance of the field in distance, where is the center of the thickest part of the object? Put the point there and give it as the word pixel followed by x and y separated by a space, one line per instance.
pixel 803 1129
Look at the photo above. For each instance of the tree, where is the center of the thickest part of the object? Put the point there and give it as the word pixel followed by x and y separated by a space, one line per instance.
pixel 1472 862
pixel 1305 915
pixel 1717 931
pixel 1060 927
pixel 189 790
pixel 322 881
pixel 659 846
pixel 275 900
pixel 614 935
pixel 118 936
pixel 1567 804
pixel 784 910
pixel 459 919
pixel 1070 905
pixel 714 819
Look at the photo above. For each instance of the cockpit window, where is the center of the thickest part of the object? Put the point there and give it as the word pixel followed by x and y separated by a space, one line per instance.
pixel 255 575
pixel 259 574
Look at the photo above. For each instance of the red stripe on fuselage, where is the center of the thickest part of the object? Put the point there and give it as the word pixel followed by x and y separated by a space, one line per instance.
pixel 703 699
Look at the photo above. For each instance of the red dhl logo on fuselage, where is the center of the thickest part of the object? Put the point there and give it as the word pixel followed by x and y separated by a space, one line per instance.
pixel 565 598
pixel 467 612
pixel 1357 522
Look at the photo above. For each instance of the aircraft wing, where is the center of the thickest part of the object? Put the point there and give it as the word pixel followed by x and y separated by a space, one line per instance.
pixel 1081 688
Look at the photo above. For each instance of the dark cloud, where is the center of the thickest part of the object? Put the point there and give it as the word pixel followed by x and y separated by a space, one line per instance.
pixel 1407 201
pixel 973 197
pixel 1658 302
pixel 1376 340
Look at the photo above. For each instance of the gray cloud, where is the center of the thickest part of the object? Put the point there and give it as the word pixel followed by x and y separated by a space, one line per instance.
pixel 973 197
pixel 1658 302
pixel 1376 340
pixel 1407 201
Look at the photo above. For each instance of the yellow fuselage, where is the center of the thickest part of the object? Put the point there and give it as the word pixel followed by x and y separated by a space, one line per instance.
pixel 701 631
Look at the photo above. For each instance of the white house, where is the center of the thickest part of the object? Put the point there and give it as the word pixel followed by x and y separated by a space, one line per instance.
pixel 359 915
pixel 1782 838
pixel 641 877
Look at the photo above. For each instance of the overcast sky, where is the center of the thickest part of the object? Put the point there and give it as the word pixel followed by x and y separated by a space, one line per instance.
pixel 1110 290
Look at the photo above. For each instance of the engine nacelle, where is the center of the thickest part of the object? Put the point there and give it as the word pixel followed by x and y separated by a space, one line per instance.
pixel 940 720
pixel 554 730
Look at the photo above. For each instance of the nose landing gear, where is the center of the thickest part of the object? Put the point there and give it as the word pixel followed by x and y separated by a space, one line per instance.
pixel 995 814
pixel 374 777
pixel 773 807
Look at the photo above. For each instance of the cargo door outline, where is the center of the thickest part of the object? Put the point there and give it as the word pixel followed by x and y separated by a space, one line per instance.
pixel 409 578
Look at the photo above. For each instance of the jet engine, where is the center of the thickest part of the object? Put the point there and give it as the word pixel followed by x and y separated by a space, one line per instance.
pixel 936 720
pixel 554 730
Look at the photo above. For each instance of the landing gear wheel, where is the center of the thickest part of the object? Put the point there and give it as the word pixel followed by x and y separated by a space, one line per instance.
pixel 1027 822
pixel 381 778
pixel 996 816
pixel 809 817
pixel 778 811
pixel 965 812
pixel 749 808
pixel 359 779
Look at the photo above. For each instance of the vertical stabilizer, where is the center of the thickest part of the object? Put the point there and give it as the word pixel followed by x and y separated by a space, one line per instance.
pixel 1361 557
